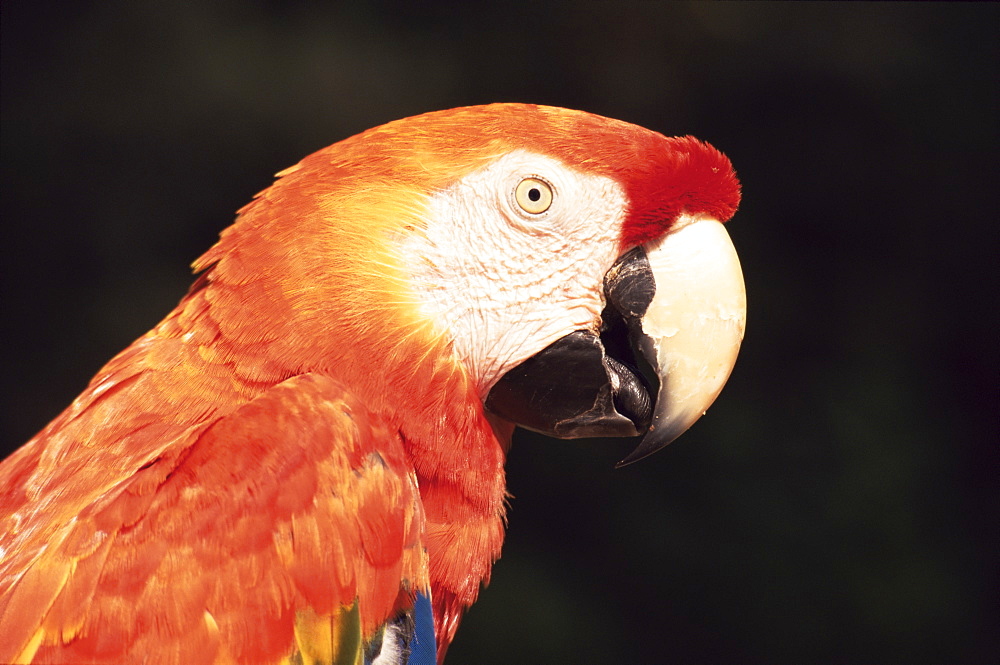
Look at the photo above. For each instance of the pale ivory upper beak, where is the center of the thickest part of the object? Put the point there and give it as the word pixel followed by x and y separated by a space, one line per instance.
pixel 693 327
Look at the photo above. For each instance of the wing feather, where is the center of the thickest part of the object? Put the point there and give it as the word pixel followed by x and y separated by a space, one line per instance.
pixel 238 544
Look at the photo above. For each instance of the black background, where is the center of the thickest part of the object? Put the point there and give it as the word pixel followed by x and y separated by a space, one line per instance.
pixel 836 505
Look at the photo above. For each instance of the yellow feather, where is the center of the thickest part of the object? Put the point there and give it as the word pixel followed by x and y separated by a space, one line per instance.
pixel 327 639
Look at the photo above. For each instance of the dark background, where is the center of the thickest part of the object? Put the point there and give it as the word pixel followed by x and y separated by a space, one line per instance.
pixel 837 505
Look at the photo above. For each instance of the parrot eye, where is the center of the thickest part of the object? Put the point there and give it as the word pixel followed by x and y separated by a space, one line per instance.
pixel 533 195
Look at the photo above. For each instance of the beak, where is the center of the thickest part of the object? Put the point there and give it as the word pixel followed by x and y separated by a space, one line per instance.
pixel 677 306
pixel 691 330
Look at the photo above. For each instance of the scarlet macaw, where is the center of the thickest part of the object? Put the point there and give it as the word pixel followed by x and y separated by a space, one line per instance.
pixel 304 461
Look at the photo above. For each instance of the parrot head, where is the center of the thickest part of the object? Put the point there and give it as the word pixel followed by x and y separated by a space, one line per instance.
pixel 573 268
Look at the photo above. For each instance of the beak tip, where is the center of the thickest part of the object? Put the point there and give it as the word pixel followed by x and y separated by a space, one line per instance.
pixel 664 431
pixel 640 453
pixel 651 443
pixel 627 460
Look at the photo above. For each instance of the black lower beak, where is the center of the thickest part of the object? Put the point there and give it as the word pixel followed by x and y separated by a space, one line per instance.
pixel 573 389
pixel 585 385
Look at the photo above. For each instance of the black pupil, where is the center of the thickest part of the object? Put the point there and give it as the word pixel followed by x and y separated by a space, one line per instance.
pixel 534 194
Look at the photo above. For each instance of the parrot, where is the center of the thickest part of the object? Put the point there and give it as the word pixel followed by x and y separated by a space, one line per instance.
pixel 304 461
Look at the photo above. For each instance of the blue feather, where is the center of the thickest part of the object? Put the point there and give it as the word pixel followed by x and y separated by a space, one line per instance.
pixel 407 639
pixel 423 648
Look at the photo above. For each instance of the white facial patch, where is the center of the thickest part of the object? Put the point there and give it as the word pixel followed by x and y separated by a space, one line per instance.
pixel 504 283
